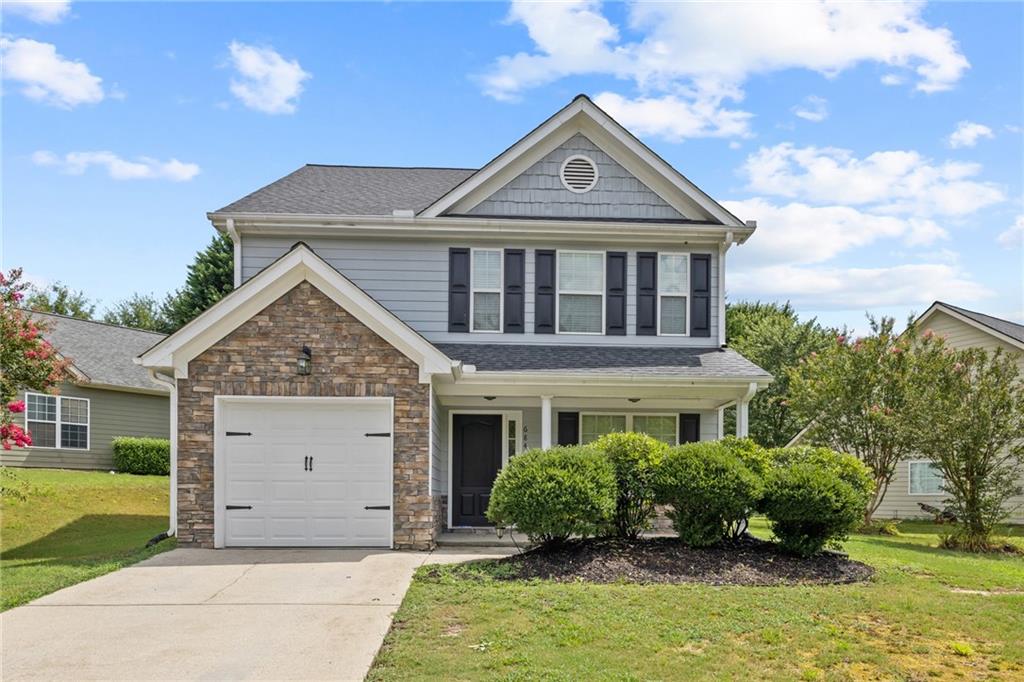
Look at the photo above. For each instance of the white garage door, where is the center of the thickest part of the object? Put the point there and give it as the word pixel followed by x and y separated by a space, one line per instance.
pixel 306 473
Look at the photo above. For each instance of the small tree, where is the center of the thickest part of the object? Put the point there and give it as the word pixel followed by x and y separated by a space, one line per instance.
pixel 27 360
pixel 968 419
pixel 60 299
pixel 854 396
pixel 210 277
pixel 139 311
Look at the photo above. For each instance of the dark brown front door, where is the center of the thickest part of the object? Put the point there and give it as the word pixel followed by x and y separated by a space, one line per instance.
pixel 476 460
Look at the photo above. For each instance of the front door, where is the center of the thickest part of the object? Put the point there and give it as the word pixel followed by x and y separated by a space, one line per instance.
pixel 476 460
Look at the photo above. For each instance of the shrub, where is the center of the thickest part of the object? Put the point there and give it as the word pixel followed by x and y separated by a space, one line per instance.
pixel 711 492
pixel 847 467
pixel 750 453
pixel 553 494
pixel 142 455
pixel 635 458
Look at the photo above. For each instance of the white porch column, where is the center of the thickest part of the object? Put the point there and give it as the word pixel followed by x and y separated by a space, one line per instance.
pixel 743 412
pixel 545 422
pixel 721 422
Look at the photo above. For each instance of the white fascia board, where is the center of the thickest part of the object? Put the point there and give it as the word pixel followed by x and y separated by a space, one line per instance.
pixel 938 306
pixel 300 264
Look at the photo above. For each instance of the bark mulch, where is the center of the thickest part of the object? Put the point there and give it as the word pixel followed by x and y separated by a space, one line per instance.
pixel 749 561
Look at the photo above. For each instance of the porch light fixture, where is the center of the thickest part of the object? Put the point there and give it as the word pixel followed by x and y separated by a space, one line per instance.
pixel 304 363
pixel 633 400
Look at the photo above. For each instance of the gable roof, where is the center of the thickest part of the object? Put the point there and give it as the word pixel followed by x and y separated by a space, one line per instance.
pixel 998 327
pixel 103 354
pixel 350 190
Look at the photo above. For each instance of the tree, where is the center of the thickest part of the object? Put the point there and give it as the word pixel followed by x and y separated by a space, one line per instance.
pixel 855 398
pixel 27 360
pixel 60 299
pixel 968 419
pixel 140 311
pixel 210 277
pixel 772 337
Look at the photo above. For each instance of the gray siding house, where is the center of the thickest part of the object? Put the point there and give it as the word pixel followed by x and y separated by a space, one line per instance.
pixel 109 396
pixel 397 334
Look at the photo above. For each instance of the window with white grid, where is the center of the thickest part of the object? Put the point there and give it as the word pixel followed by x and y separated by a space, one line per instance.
pixel 57 421
pixel 580 292
pixel 486 300
pixel 673 293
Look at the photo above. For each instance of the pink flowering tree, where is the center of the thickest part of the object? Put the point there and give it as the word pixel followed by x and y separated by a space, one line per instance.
pixel 27 360
pixel 855 396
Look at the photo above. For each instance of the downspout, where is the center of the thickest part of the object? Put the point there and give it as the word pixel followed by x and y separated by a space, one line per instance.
pixel 722 249
pixel 169 382
pixel 236 239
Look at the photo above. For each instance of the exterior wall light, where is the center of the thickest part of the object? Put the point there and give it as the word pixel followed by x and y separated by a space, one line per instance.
pixel 304 363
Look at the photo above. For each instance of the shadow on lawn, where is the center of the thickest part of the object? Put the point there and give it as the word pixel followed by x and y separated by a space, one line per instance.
pixel 91 535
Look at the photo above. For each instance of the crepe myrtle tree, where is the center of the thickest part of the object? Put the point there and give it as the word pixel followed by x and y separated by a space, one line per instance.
pixel 27 360
pixel 967 409
pixel 854 396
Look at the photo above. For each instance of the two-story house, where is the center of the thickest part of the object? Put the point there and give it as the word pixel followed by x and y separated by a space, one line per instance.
pixel 397 334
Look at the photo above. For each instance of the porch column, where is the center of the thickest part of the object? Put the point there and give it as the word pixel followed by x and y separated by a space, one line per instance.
pixel 545 422
pixel 743 412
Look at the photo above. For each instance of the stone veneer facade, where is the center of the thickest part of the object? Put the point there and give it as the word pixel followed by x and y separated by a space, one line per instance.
pixel 258 359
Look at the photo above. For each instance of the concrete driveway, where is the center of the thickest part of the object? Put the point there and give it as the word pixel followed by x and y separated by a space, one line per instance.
pixel 219 614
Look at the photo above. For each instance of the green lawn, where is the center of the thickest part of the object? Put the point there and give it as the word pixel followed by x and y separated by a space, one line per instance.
pixel 73 526
pixel 911 622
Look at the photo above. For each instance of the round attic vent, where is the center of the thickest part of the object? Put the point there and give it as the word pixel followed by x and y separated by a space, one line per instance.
pixel 579 174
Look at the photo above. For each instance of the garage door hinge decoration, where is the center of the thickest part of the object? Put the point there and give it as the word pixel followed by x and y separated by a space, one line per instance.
pixel 386 434
pixel 238 433
pixel 238 506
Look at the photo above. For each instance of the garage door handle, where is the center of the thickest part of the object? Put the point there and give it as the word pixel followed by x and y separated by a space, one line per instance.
pixel 238 506
pixel 305 463
pixel 383 506
pixel 386 434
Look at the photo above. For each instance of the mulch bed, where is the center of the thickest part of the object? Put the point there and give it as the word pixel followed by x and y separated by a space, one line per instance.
pixel 749 561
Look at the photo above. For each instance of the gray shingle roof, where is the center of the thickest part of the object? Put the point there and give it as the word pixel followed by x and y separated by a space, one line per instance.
pixel 1011 329
pixel 351 190
pixel 685 363
pixel 103 352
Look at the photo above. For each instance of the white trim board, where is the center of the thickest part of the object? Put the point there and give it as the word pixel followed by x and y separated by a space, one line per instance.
pixel 938 306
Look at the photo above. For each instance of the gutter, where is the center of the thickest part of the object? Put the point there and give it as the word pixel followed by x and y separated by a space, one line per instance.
pixel 169 382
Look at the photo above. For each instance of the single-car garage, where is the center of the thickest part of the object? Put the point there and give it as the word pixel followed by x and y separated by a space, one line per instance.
pixel 304 472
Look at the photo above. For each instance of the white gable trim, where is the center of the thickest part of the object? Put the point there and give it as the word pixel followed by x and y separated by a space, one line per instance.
pixel 938 306
pixel 298 265
pixel 584 117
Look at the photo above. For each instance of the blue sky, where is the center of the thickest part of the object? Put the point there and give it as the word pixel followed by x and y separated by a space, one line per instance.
pixel 878 146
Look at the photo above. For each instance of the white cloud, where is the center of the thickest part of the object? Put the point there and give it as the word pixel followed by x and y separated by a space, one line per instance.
pixel 266 81
pixel 892 181
pixel 48 77
pixel 675 119
pixel 813 109
pixel 1013 236
pixel 967 134
pixel 892 79
pixel 143 168
pixel 39 11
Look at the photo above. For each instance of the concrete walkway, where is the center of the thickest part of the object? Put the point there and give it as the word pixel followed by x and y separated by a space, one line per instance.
pixel 219 614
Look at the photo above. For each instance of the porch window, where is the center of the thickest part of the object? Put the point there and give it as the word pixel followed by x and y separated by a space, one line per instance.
pixel 593 426
pixel 57 421
pixel 925 478
pixel 664 427
pixel 580 292
pixel 673 291
pixel 486 298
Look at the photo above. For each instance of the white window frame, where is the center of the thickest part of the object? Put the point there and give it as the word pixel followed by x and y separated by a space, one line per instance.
pixel 629 420
pixel 473 290
pixel 664 294
pixel 577 292
pixel 57 439
pixel 910 480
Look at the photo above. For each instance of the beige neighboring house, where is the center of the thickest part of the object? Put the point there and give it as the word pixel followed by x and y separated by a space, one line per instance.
pixel 108 396
pixel 916 481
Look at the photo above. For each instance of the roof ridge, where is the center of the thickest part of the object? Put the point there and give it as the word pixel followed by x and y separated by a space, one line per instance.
pixel 105 324
pixel 981 314
pixel 376 167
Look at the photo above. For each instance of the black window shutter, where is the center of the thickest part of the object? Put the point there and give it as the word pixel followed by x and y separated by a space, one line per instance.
pixel 615 299
pixel 700 294
pixel 458 290
pixel 689 428
pixel 515 291
pixel 568 428
pixel 647 294
pixel 544 292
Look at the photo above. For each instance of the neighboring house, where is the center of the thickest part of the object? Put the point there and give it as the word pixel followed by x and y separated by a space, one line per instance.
pixel 108 396
pixel 397 334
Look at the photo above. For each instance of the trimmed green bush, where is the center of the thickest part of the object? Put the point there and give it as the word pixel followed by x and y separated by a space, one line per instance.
pixel 553 494
pixel 142 455
pixel 635 457
pixel 814 497
pixel 710 491
pixel 750 453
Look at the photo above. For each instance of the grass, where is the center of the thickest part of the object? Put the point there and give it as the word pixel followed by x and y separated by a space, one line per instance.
pixel 929 614
pixel 73 526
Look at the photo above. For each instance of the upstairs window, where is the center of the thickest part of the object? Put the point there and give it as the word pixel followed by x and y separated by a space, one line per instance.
pixel 486 298
pixel 57 421
pixel 673 294
pixel 580 292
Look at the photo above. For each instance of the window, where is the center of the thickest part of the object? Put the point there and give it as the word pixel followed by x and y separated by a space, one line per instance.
pixel 486 299
pixel 512 437
pixel 57 421
pixel 673 292
pixel 925 478
pixel 664 427
pixel 580 292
